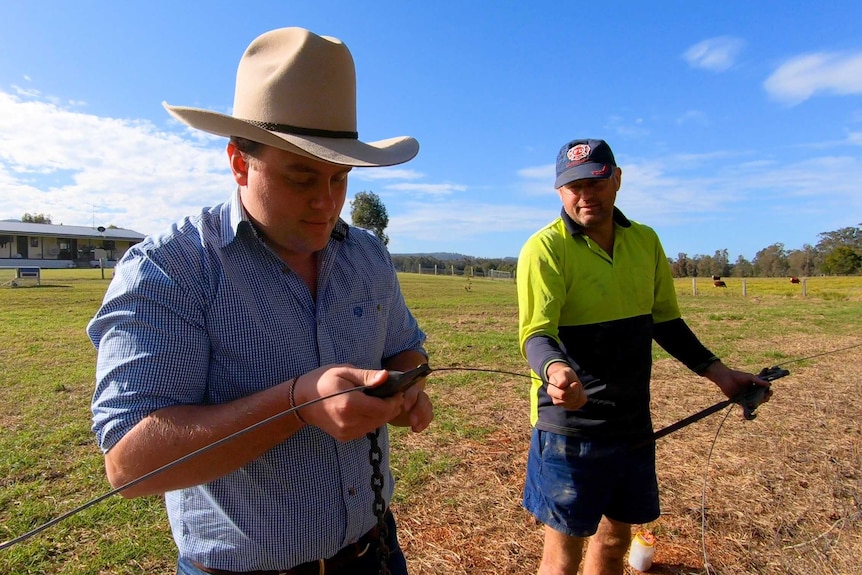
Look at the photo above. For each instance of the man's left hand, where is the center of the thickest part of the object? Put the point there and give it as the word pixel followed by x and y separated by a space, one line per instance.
pixel 417 411
pixel 730 381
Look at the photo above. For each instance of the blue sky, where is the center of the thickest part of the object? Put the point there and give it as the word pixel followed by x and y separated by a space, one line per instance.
pixel 737 124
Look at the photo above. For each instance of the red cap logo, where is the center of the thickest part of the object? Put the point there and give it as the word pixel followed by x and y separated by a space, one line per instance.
pixel 579 153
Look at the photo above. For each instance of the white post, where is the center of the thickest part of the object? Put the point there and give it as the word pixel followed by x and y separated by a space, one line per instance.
pixel 744 288
pixel 694 286
pixel 804 287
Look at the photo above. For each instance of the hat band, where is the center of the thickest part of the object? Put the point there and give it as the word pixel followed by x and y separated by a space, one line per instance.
pixel 298 131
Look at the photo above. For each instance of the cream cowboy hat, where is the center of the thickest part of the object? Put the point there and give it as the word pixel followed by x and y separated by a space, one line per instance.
pixel 296 91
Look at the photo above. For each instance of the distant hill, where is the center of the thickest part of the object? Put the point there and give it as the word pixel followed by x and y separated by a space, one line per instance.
pixel 449 256
pixel 442 256
pixel 460 262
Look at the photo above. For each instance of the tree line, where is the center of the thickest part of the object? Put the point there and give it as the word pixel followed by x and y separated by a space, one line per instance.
pixel 838 252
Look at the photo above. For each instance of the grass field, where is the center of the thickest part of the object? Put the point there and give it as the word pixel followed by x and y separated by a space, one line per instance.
pixel 782 493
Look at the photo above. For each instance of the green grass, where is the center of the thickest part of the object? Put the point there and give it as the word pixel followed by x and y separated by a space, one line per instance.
pixel 49 462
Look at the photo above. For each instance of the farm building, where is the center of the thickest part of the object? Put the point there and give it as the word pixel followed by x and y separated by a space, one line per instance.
pixel 53 246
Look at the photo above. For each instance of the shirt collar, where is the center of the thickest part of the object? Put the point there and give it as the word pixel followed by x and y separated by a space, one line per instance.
pixel 575 228
pixel 233 219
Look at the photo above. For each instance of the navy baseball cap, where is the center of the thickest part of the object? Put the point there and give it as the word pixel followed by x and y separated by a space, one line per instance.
pixel 580 159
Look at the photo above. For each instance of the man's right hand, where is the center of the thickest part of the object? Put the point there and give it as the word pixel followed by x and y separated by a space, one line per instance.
pixel 350 415
pixel 564 387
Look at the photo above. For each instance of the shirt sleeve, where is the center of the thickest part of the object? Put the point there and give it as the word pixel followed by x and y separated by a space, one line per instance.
pixel 541 293
pixel 152 347
pixel 541 351
pixel 676 338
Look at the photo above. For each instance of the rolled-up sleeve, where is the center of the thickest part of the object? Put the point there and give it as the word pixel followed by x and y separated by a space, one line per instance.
pixel 152 348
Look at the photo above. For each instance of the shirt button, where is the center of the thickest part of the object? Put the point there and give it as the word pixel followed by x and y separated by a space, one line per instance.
pixel 351 490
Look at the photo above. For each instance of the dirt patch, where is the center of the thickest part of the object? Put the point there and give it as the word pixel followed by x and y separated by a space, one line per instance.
pixel 781 494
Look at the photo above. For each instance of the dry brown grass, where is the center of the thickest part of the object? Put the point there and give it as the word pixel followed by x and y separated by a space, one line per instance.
pixel 783 492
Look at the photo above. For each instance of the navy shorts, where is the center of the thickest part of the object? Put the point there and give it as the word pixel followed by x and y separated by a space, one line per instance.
pixel 572 482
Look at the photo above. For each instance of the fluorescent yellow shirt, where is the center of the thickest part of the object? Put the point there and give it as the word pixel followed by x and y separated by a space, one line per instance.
pixel 601 310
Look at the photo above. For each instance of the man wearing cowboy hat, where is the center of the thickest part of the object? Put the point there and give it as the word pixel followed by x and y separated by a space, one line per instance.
pixel 252 307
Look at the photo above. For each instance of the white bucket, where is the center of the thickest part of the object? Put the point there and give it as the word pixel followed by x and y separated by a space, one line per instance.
pixel 642 550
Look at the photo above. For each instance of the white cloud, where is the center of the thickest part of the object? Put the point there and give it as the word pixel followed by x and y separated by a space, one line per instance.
pixel 537 181
pixel 545 173
pixel 716 54
pixel 719 184
pixel 458 221
pixel 801 77
pixel 388 173
pixel 132 174
pixel 695 116
pixel 629 128
pixel 431 189
pixel 31 92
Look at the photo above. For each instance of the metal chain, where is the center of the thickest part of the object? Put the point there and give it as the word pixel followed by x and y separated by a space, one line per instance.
pixel 375 456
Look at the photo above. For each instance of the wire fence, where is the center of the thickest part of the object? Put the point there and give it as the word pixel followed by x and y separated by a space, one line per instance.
pixel 451 270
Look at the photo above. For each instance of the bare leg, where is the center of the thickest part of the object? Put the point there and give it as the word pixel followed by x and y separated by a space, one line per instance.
pixel 561 554
pixel 607 548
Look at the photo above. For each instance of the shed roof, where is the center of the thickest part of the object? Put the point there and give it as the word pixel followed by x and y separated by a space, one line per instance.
pixel 28 229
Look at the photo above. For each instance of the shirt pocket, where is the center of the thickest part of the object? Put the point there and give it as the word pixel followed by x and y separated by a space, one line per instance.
pixel 641 289
pixel 358 330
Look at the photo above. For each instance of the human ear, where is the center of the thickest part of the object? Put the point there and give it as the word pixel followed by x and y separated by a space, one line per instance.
pixel 238 165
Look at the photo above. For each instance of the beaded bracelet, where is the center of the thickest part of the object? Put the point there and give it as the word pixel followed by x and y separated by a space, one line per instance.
pixel 292 399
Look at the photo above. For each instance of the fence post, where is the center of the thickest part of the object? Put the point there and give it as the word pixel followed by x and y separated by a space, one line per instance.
pixel 744 288
pixel 804 287
pixel 435 269
pixel 694 286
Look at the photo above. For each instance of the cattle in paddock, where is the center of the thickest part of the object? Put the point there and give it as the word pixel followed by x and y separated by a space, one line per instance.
pixel 719 283
pixel 794 280
pixel 716 278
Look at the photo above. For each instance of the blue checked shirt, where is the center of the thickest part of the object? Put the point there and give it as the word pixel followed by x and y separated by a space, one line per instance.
pixel 204 314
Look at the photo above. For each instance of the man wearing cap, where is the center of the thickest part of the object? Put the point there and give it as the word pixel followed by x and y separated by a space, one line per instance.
pixel 594 290
pixel 254 306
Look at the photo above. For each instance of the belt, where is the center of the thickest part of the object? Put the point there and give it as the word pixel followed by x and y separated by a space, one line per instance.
pixel 338 561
